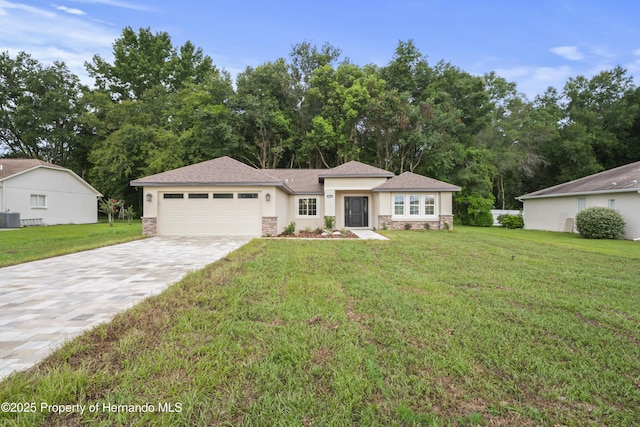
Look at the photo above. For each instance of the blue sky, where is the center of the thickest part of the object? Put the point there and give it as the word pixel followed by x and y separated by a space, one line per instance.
pixel 535 44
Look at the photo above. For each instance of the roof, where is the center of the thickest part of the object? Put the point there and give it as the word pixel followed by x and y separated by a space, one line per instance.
pixel 227 171
pixel 13 167
pixel 621 179
pixel 355 169
pixel 10 167
pixel 415 182
pixel 300 180
pixel 218 171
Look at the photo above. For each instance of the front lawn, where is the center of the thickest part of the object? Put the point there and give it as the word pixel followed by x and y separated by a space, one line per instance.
pixel 473 327
pixel 32 243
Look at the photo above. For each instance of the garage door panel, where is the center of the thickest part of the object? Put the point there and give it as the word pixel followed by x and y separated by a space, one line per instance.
pixel 209 216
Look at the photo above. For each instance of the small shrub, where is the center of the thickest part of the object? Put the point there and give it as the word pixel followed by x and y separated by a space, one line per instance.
pixel 384 225
pixel 289 229
pixel 329 222
pixel 318 230
pixel 407 226
pixel 344 232
pixel 427 226
pixel 308 229
pixel 600 223
pixel 511 221
pixel 447 226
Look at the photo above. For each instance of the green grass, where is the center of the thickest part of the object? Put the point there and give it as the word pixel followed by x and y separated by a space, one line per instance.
pixel 474 327
pixel 33 243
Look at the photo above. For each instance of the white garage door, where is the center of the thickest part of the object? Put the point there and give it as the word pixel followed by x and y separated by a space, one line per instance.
pixel 209 214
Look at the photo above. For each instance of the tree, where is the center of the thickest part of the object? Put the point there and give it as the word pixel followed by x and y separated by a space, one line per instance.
pixel 144 60
pixel 39 109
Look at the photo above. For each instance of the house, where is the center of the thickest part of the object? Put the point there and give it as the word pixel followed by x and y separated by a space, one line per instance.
pixel 226 197
pixel 555 208
pixel 44 193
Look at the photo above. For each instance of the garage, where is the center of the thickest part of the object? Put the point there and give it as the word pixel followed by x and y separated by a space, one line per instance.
pixel 209 214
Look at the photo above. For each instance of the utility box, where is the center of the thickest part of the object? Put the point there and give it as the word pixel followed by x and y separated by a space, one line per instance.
pixel 9 220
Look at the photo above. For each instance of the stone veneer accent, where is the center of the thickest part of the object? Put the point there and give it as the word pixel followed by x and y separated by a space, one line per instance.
pixel 149 226
pixel 269 225
pixel 415 225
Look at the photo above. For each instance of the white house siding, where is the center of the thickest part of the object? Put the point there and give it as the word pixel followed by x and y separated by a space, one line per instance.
pixel 556 213
pixel 301 221
pixel 68 199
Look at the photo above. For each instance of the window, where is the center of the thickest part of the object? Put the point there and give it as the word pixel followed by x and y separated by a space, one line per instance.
pixel 398 203
pixel 414 205
pixel 173 196
pixel 308 206
pixel 582 203
pixel 38 201
pixel 429 205
pixel 247 195
pixel 612 203
pixel 198 195
pixel 223 195
pixel 420 205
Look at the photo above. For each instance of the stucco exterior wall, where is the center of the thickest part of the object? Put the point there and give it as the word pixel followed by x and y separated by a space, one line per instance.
pixel 556 213
pixel 68 199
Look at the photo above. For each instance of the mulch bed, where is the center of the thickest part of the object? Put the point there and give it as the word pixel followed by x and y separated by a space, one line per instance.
pixel 303 234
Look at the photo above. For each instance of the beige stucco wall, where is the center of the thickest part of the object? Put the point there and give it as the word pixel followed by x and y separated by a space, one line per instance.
pixel 68 199
pixel 551 213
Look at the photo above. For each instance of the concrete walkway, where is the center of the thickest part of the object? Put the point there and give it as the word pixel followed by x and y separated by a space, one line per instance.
pixel 368 235
pixel 43 303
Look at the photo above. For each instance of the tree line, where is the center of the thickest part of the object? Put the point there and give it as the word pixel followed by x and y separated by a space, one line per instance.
pixel 157 106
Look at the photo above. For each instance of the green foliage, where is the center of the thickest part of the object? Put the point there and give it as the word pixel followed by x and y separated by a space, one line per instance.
pixel 329 222
pixel 475 210
pixel 110 207
pixel 511 221
pixel 289 229
pixel 427 226
pixel 407 226
pixel 600 223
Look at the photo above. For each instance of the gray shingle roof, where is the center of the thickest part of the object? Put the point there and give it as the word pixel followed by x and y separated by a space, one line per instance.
pixel 355 169
pixel 218 171
pixel 415 182
pixel 304 181
pixel 227 171
pixel 620 179
pixel 10 167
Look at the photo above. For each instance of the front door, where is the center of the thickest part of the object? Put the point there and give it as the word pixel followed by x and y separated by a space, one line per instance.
pixel 356 211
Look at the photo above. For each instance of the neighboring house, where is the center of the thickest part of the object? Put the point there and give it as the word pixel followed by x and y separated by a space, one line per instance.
pixel 555 208
pixel 226 197
pixel 44 193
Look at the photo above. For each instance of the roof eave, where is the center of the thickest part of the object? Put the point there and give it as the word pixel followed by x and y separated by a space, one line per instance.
pixel 351 175
pixel 579 193
pixel 138 183
pixel 438 190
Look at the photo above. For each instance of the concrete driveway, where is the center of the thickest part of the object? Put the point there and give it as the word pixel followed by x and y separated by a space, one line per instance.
pixel 43 303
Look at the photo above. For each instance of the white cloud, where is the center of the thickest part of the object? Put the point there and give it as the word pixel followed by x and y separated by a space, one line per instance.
pixel 533 81
pixel 54 35
pixel 116 3
pixel 568 52
pixel 71 11
pixel 636 52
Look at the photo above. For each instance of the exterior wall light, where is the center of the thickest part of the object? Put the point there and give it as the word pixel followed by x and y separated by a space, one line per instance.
pixel 149 197
pixel 267 197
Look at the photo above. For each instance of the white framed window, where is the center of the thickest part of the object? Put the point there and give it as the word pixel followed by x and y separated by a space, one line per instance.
pixel 612 203
pixel 415 206
pixel 429 205
pixel 582 203
pixel 398 205
pixel 307 207
pixel 38 201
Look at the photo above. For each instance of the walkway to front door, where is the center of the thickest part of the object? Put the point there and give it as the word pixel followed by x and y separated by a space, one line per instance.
pixel 356 211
